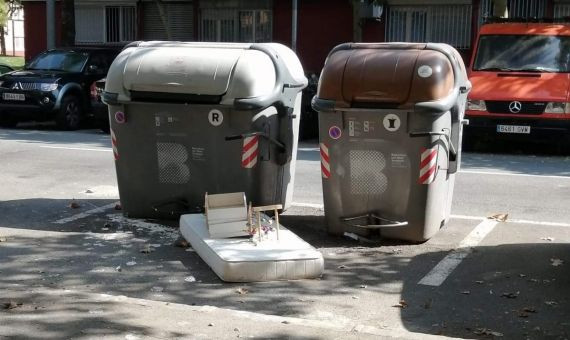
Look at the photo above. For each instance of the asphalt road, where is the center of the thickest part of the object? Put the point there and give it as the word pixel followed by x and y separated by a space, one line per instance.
pixel 477 278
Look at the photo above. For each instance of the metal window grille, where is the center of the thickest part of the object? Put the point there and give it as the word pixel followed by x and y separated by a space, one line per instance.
pixel 527 8
pixel 120 23
pixel 562 10
pixel 449 24
pixel 14 33
pixel 89 24
pixel 516 8
pixel 236 25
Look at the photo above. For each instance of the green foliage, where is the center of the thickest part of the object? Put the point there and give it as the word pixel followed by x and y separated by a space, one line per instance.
pixel 4 12
pixel 7 8
pixel 14 62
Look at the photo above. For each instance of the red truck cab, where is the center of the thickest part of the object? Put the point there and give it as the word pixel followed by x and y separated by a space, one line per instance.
pixel 520 74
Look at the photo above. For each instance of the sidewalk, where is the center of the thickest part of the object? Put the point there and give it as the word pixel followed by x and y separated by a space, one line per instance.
pixel 64 314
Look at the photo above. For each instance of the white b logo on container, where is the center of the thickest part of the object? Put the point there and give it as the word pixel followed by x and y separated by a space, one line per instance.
pixel 425 71
pixel 391 122
pixel 216 117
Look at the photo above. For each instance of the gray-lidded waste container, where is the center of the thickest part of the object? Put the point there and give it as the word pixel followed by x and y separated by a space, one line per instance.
pixel 191 118
pixel 390 127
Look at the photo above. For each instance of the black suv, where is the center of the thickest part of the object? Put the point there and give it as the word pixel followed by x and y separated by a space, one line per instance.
pixel 57 85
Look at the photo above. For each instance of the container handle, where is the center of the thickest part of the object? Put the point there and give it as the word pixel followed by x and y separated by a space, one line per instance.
pixel 452 149
pixel 372 217
pixel 280 145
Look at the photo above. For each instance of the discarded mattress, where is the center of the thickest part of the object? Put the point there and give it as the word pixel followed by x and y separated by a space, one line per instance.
pixel 241 260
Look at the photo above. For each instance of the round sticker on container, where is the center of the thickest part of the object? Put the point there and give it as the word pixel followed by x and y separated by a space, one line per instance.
pixel 216 117
pixel 391 122
pixel 120 117
pixel 335 132
pixel 425 71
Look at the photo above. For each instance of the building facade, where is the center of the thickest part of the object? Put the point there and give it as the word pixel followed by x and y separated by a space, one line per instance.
pixel 321 24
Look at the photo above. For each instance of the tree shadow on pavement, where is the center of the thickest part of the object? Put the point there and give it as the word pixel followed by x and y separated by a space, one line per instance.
pixel 511 289
pixel 107 254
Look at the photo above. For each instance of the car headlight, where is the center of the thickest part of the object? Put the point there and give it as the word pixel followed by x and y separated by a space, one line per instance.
pixel 476 105
pixel 48 87
pixel 557 107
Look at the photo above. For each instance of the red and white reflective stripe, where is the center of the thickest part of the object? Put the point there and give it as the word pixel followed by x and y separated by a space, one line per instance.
pixel 325 161
pixel 114 143
pixel 428 165
pixel 249 152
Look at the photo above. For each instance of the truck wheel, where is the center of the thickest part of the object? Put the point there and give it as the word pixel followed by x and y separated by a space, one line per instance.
pixel 69 115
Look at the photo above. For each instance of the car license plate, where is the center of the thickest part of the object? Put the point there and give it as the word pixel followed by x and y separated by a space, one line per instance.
pixel 14 96
pixel 513 129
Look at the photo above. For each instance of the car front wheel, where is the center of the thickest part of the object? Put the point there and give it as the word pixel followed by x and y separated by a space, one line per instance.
pixel 69 115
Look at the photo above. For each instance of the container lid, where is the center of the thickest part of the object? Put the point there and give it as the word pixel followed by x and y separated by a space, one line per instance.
pixel 180 70
pixel 387 75
pixel 225 71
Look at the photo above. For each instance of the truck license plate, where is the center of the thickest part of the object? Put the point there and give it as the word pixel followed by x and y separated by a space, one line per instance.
pixel 513 129
pixel 14 96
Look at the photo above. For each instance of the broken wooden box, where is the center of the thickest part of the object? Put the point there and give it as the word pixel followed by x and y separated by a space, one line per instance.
pixel 226 215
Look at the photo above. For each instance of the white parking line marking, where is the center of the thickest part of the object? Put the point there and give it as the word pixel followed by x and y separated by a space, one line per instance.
pixel 446 266
pixel 86 214
pixel 465 217
pixel 308 149
pixel 308 205
pixel 80 149
pixel 550 224
pixel 510 174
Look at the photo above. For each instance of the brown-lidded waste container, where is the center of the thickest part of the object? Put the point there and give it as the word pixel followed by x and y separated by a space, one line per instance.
pixel 390 128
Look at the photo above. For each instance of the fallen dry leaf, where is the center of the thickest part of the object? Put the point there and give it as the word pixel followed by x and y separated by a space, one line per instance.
pixel 549 239
pixel 466 292
pixel 499 217
pixel 242 291
pixel 511 295
pixel 550 303
pixel 402 304
pixel 556 262
pixel 182 243
pixel 479 282
pixel 74 205
pixel 486 331
pixel 12 305
pixel 118 206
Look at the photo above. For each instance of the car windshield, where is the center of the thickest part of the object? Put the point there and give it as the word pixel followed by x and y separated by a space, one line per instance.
pixel 68 61
pixel 529 53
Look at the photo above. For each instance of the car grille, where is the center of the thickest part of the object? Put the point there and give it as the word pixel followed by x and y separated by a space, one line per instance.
pixel 29 86
pixel 21 86
pixel 528 108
